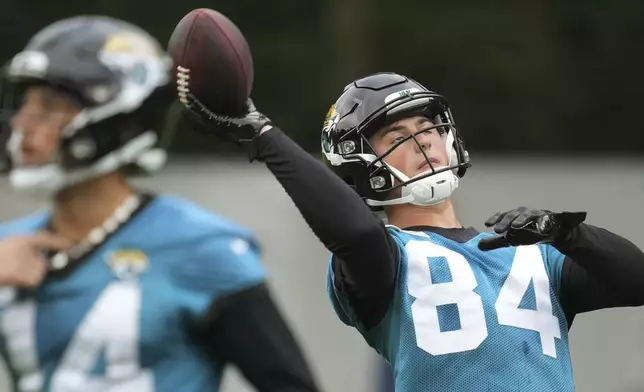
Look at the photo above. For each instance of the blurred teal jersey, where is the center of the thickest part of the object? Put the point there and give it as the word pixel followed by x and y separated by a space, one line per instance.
pixel 122 319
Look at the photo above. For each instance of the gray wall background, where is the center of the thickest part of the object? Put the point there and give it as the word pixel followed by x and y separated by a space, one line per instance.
pixel 607 346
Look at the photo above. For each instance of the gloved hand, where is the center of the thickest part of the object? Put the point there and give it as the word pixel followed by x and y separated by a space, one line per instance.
pixel 526 226
pixel 241 130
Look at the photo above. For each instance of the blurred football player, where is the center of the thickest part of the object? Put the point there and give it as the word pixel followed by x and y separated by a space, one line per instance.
pixel 449 308
pixel 116 289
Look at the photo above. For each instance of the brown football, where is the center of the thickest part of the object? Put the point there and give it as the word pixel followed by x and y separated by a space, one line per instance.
pixel 212 61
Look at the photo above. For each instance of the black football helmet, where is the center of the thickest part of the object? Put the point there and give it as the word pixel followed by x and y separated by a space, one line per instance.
pixel 118 74
pixel 366 105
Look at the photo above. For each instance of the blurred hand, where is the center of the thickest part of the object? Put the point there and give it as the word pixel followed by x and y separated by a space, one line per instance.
pixel 22 258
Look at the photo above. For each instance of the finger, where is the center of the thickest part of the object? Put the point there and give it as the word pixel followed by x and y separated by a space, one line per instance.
pixel 36 258
pixel 33 272
pixel 46 240
pixel 33 281
pixel 37 276
pixel 491 221
pixel 527 216
pixel 507 220
pixel 493 242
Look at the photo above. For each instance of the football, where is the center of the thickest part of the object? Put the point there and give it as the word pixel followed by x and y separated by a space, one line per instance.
pixel 212 61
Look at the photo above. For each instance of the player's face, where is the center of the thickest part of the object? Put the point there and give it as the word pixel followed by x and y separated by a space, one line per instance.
pixel 42 116
pixel 407 156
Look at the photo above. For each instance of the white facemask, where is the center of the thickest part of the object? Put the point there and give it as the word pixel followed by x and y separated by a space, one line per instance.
pixel 44 181
pixel 428 191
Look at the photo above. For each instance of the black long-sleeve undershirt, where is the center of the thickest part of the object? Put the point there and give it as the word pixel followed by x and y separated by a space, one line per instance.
pixel 601 269
pixel 248 330
pixel 334 211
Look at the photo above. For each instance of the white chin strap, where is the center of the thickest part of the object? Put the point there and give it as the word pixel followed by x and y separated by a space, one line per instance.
pixel 47 180
pixel 429 191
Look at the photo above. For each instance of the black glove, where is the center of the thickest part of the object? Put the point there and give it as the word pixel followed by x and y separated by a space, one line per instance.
pixel 526 226
pixel 242 130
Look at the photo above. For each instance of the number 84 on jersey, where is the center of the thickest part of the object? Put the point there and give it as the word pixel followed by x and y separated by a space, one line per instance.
pixel 527 266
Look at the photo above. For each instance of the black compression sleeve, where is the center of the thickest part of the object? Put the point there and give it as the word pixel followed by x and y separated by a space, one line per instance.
pixel 582 292
pixel 602 270
pixel 337 216
pixel 247 329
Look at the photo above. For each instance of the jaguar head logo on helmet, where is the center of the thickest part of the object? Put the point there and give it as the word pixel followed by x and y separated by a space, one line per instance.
pixel 395 142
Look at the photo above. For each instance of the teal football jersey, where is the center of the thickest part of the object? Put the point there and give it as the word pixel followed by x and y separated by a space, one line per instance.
pixel 463 319
pixel 121 320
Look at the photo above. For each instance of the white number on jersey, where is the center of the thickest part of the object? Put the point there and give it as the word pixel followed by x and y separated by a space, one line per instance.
pixel 429 296
pixel 111 327
pixel 527 266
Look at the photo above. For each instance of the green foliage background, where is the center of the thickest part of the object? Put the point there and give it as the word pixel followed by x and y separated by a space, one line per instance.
pixel 539 76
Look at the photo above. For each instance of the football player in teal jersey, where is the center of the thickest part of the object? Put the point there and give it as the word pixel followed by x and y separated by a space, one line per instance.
pixel 114 289
pixel 448 307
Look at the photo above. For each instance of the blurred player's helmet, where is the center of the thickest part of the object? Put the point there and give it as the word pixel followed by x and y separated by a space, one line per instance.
pixel 118 74
pixel 366 105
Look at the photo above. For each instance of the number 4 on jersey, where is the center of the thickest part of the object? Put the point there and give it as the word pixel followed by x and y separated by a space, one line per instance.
pixel 110 328
pixel 527 266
